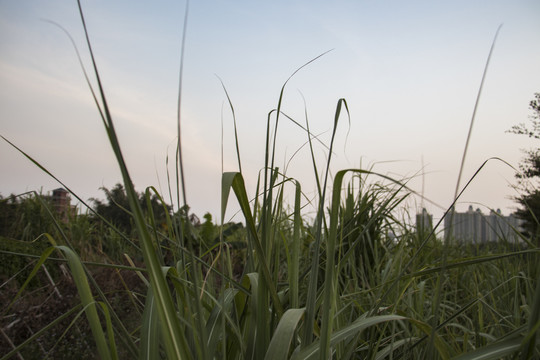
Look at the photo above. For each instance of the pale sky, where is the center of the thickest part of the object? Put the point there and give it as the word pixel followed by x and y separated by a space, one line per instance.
pixel 410 72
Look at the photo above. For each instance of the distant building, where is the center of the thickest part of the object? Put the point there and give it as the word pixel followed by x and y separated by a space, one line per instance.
pixel 424 221
pixel 473 226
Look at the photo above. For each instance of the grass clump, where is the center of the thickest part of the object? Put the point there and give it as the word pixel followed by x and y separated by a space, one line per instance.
pixel 354 282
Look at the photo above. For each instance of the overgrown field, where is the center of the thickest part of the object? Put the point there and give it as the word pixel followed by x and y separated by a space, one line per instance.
pixel 389 295
pixel 356 281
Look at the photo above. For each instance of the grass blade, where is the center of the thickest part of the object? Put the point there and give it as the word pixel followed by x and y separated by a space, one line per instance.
pixel 314 349
pixel 83 288
pixel 174 339
pixel 236 182
pixel 284 334
pixel 312 287
pixel 149 340
pixel 494 351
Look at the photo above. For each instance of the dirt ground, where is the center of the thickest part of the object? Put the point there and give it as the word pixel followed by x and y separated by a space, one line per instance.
pixel 42 302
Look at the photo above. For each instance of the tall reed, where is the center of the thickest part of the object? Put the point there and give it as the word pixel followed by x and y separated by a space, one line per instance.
pixel 357 282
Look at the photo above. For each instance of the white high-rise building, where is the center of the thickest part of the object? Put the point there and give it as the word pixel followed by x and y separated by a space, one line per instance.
pixel 473 226
pixel 424 221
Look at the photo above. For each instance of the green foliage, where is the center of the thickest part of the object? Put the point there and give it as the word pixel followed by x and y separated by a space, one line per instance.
pixel 530 213
pixel 366 225
pixel 355 282
pixel 115 208
pixel 26 217
pixel 529 174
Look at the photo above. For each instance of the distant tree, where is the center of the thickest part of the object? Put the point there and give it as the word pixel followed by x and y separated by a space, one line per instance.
pixel 207 230
pixel 115 208
pixel 529 173
pixel 8 215
pixel 27 217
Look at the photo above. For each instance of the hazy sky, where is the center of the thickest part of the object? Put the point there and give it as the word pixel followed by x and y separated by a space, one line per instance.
pixel 410 72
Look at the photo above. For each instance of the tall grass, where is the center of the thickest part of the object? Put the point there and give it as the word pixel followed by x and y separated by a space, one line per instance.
pixel 357 282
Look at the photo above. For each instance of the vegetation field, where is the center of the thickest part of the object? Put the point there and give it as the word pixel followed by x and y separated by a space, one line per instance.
pixel 132 277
